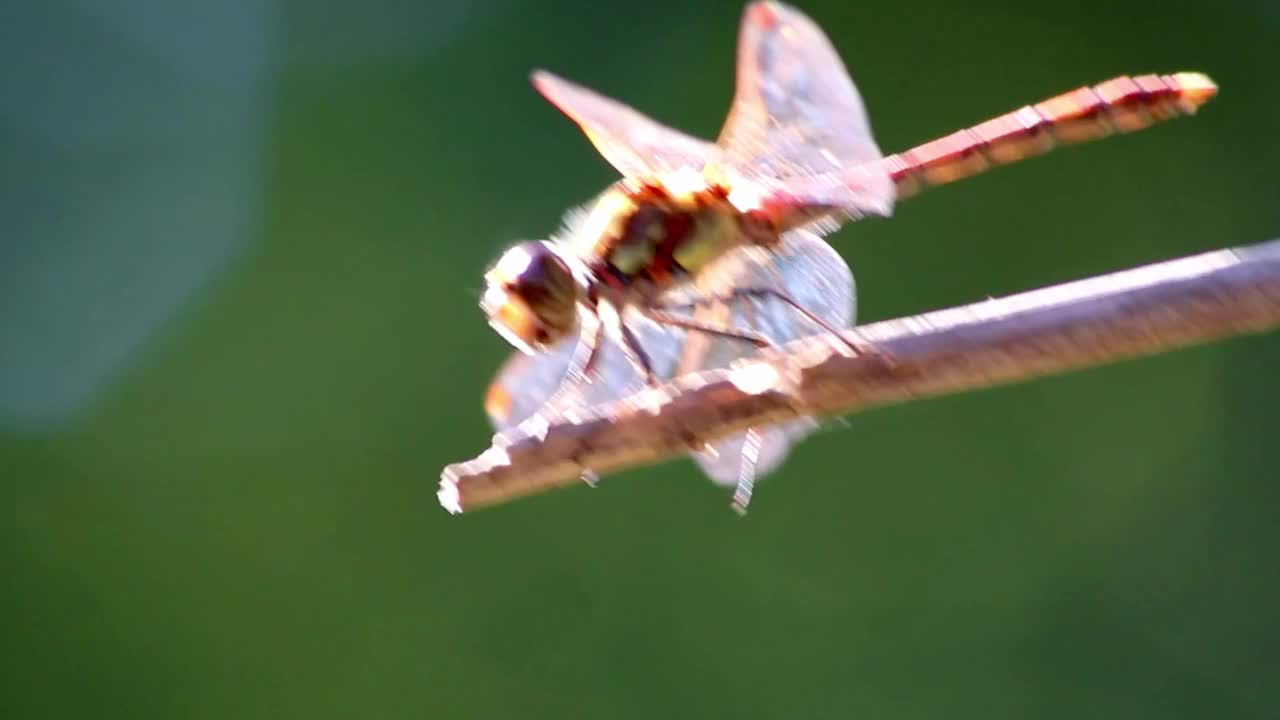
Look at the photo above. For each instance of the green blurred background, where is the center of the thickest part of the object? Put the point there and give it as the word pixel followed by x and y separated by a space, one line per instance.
pixel 240 254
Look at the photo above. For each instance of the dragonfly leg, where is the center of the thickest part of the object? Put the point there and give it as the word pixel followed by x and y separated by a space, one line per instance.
pixel 747 471
pixel 636 354
pixel 784 297
pixel 584 375
pixel 580 371
pixel 666 318
pixel 580 368
pixel 589 367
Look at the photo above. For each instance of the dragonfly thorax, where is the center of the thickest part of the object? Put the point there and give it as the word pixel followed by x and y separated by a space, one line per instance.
pixel 646 236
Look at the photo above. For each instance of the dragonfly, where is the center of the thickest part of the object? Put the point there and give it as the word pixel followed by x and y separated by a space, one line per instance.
pixel 704 253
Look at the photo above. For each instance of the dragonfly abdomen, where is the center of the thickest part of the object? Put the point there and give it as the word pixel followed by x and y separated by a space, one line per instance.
pixel 1120 105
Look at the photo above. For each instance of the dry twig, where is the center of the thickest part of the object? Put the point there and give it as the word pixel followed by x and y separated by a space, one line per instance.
pixel 1127 314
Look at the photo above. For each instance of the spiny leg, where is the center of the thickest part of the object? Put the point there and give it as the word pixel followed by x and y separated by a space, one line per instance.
pixel 814 317
pixel 588 475
pixel 751 444
pixel 581 369
pixel 636 354
pixel 763 292
pixel 589 367
pixel 666 318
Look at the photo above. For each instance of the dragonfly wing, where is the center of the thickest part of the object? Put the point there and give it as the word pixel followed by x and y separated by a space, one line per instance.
pixel 822 202
pixel 633 143
pixel 796 113
pixel 795 109
pixel 527 385
pixel 811 272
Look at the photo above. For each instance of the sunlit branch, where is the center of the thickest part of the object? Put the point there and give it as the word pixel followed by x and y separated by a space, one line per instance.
pixel 1081 324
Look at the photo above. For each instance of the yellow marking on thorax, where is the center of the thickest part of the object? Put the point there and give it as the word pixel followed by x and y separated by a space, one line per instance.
pixel 715 227
pixel 635 254
pixel 714 232
pixel 607 219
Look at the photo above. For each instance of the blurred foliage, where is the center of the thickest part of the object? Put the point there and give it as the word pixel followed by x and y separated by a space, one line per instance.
pixel 242 522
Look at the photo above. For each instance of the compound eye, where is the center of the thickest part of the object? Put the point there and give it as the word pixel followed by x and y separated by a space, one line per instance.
pixel 532 296
pixel 516 262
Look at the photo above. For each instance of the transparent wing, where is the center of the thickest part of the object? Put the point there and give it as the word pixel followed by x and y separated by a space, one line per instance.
pixel 525 383
pixel 795 109
pixel 633 143
pixel 796 114
pixel 812 273
pixel 530 384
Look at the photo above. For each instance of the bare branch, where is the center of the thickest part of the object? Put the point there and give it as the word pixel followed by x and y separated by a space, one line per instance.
pixel 1122 315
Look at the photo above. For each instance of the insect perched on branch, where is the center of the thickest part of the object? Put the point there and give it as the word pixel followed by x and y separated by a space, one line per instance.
pixel 703 254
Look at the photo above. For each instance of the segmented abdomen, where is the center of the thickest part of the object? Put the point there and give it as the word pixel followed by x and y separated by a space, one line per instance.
pixel 1123 104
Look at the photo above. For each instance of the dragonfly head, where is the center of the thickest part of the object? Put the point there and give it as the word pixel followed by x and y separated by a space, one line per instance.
pixel 531 296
